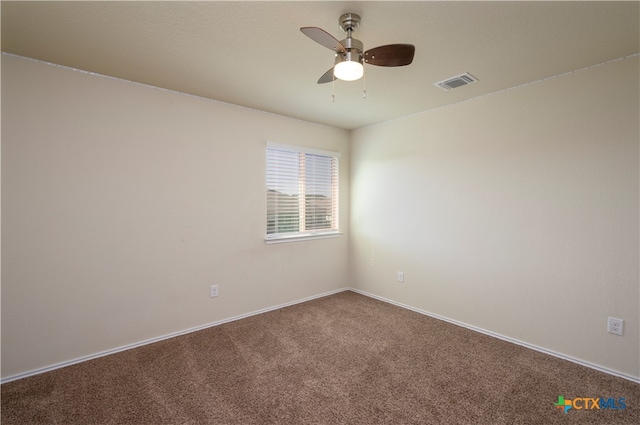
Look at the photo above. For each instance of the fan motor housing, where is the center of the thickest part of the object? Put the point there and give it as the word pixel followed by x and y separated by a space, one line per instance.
pixel 352 44
pixel 353 51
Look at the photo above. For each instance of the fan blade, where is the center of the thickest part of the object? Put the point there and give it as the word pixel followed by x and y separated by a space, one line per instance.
pixel 320 36
pixel 327 77
pixel 390 55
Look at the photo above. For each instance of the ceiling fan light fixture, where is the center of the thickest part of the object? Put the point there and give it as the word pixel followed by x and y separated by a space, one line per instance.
pixel 348 70
pixel 349 53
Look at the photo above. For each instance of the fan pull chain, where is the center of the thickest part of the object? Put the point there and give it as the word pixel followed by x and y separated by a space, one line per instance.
pixel 333 90
pixel 364 84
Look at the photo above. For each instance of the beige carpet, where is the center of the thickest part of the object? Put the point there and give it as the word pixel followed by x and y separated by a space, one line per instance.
pixel 342 359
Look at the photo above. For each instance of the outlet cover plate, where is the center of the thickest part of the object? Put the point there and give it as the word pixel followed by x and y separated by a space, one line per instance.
pixel 615 326
pixel 213 291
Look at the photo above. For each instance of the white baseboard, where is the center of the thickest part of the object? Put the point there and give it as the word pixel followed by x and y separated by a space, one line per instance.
pixel 163 337
pixel 325 294
pixel 502 337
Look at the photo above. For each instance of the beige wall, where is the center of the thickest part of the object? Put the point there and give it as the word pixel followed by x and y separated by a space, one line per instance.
pixel 516 213
pixel 122 203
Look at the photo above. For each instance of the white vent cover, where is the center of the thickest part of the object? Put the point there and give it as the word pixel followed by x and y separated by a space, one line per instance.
pixel 457 81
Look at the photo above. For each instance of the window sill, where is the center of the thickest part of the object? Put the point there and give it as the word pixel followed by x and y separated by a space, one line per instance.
pixel 297 238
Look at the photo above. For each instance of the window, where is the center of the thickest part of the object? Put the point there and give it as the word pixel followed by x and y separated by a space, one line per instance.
pixel 302 193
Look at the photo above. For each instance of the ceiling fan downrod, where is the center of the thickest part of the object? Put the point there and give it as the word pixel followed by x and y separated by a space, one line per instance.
pixel 353 48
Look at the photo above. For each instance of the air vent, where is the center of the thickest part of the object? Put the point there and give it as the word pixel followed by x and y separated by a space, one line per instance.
pixel 457 81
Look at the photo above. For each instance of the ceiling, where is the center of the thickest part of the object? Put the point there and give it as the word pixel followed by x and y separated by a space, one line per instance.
pixel 253 53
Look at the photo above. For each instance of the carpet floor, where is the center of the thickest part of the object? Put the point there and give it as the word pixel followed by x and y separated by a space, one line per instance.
pixel 341 359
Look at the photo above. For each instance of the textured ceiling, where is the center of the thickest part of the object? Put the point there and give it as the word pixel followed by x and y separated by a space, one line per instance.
pixel 253 53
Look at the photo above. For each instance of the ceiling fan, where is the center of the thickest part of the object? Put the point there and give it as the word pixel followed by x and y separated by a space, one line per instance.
pixel 349 55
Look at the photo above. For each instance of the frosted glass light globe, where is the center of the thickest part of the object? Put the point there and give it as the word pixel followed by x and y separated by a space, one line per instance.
pixel 348 70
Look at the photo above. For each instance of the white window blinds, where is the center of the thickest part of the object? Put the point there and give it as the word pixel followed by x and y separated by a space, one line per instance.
pixel 302 192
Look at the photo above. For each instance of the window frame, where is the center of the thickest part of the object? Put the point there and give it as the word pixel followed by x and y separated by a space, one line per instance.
pixel 272 238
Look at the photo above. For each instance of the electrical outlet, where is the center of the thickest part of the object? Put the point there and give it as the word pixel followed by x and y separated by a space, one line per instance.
pixel 213 291
pixel 400 276
pixel 614 326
